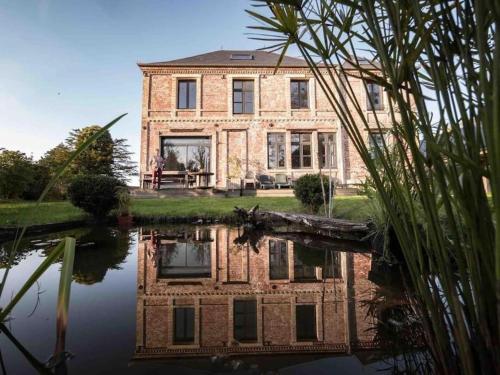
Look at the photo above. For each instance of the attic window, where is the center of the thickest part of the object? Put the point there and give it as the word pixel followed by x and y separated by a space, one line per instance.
pixel 242 56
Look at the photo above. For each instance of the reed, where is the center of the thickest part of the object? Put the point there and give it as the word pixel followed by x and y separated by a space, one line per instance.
pixel 439 67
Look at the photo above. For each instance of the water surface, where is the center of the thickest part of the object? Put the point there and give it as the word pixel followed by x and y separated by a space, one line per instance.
pixel 203 299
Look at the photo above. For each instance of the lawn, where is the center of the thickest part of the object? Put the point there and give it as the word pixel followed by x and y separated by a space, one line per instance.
pixel 13 213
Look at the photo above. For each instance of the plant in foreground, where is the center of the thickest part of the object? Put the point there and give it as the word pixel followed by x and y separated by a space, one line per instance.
pixel 438 65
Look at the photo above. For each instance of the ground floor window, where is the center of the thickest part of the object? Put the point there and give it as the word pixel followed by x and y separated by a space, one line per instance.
pixel 245 320
pixel 276 150
pixel 183 325
pixel 186 153
pixel 301 150
pixel 305 322
pixel 185 260
pixel 375 139
pixel 327 150
pixel 278 260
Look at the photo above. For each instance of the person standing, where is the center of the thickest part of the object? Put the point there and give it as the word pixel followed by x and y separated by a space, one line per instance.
pixel 157 162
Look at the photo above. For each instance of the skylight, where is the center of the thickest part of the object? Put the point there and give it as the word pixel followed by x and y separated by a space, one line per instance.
pixel 241 56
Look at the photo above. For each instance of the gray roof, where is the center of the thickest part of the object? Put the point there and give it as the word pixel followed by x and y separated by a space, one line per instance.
pixel 232 58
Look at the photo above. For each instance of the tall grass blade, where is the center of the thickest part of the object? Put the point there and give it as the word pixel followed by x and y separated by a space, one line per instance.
pixel 51 183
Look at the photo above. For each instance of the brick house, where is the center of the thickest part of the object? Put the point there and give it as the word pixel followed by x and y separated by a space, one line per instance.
pixel 230 114
pixel 202 294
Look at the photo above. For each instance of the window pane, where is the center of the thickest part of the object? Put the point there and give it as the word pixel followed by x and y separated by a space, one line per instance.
pixel 182 95
pixel 238 84
pixel 271 150
pixel 278 260
pixel 185 260
pixel 248 107
pixel 327 150
pixel 306 322
pixel 238 97
pixel 248 86
pixel 281 155
pixel 238 108
pixel 183 325
pixel 295 156
pixel 192 95
pixel 245 320
pixel 306 162
pixel 182 153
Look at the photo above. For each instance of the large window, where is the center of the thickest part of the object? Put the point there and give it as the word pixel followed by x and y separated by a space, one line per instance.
pixel 242 96
pixel 183 325
pixel 327 150
pixel 185 260
pixel 276 150
pixel 245 320
pixel 186 153
pixel 301 150
pixel 375 139
pixel 186 94
pixel 299 94
pixel 375 94
pixel 304 263
pixel 305 318
pixel 278 260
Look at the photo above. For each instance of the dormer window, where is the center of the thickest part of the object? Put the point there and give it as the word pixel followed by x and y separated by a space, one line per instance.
pixel 241 56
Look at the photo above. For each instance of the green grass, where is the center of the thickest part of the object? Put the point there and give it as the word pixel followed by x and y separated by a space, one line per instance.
pixel 12 213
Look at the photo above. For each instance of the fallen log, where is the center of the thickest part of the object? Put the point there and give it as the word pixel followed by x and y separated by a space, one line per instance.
pixel 320 223
pixel 331 227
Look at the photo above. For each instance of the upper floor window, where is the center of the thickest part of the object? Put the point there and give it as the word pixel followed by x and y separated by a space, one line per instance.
pixel 301 150
pixel 276 150
pixel 374 98
pixel 299 94
pixel 242 96
pixel 186 94
pixel 327 150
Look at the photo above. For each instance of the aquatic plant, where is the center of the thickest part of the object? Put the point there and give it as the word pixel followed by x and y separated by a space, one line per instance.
pixel 438 66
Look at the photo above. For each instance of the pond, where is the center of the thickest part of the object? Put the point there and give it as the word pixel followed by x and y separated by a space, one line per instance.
pixel 207 299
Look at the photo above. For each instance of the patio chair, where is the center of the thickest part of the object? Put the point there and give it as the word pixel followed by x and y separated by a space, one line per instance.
pixel 266 181
pixel 250 180
pixel 282 180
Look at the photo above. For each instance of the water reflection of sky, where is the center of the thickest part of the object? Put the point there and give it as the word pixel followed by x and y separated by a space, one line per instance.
pixel 198 293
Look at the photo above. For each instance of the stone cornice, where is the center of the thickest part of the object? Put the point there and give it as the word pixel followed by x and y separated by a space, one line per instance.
pixel 225 70
pixel 240 120
pixel 238 292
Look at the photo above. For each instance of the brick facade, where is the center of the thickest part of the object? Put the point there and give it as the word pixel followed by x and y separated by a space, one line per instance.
pixel 239 272
pixel 239 141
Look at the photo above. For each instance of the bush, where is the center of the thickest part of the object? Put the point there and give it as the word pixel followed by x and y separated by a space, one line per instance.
pixel 308 191
pixel 95 194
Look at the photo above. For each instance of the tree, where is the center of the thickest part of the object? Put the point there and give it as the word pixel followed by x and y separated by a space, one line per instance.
pixel 52 161
pixel 16 173
pixel 98 157
pixel 105 156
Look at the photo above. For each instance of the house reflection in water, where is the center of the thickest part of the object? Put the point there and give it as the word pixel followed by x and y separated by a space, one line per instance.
pixel 202 294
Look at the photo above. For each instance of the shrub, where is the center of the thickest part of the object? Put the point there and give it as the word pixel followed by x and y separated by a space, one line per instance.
pixel 95 194
pixel 307 189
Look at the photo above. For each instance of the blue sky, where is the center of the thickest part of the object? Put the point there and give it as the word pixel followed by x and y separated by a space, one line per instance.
pixel 66 64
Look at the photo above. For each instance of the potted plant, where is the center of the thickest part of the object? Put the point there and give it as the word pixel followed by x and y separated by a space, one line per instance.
pixel 124 217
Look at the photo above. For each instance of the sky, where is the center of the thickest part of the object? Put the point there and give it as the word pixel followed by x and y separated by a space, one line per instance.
pixel 66 64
